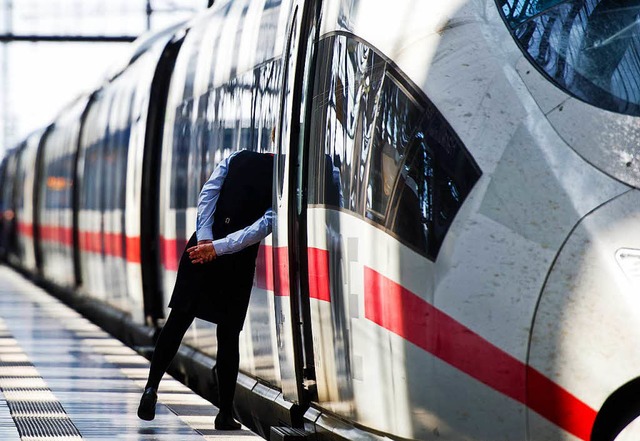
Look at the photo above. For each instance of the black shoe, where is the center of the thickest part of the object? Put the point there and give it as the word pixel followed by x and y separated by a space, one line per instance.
pixel 224 421
pixel 147 408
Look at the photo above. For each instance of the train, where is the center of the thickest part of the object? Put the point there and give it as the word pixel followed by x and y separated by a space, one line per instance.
pixel 456 245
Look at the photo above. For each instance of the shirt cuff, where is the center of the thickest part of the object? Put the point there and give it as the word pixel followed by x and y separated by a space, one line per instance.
pixel 204 234
pixel 221 246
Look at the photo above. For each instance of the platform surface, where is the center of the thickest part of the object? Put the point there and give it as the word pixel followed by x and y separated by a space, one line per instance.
pixel 63 378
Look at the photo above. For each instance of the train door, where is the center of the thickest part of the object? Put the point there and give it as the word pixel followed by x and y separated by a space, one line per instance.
pixel 289 233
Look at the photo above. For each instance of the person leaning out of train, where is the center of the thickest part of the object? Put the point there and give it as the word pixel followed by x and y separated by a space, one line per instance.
pixel 216 271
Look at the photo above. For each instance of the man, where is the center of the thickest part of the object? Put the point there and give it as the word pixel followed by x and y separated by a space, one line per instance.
pixel 216 272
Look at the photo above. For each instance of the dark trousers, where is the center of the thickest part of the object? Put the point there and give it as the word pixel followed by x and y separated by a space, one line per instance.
pixel 227 359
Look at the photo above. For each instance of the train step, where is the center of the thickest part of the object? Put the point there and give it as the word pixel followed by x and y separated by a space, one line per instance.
pixel 287 434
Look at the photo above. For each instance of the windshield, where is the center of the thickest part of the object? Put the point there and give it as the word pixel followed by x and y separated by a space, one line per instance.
pixel 588 47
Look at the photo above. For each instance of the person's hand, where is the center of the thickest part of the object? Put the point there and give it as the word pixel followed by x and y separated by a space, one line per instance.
pixel 203 252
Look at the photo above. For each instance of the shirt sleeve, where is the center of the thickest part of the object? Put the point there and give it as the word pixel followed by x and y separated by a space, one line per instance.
pixel 209 198
pixel 248 236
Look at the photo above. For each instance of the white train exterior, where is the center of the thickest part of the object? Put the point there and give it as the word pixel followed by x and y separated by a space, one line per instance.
pixel 457 241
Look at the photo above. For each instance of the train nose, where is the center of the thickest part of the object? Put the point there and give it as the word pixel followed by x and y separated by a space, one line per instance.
pixel 586 332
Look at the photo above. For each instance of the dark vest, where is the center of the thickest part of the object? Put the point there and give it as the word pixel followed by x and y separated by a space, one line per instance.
pixel 219 291
pixel 245 193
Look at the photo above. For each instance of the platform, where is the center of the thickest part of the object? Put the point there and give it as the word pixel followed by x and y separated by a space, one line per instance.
pixel 64 378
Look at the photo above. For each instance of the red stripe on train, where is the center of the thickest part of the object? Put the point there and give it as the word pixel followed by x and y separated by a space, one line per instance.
pixel 89 241
pixel 169 252
pixel 396 309
pixel 318 272
pixel 264 268
pixel 402 312
pixel 112 244
pixel 61 235
pixel 273 273
pixel 319 287
pixel 133 249
pixel 25 229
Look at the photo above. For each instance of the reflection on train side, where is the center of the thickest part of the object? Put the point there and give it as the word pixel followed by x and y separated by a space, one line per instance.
pixel 400 165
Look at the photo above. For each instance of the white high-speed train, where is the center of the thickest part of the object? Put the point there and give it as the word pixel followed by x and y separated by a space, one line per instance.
pixel 457 247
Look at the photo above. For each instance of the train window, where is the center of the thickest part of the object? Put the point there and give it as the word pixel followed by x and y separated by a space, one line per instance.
pixel 268 83
pixel 343 112
pixel 198 151
pixel 396 118
pixel 93 165
pixel 192 65
pixel 381 150
pixel 226 120
pixel 517 11
pixel 589 48
pixel 180 157
pixel 58 181
pixel 206 134
pixel 412 212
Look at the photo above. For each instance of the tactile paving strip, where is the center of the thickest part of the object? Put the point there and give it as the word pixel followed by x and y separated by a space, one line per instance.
pixel 42 428
pixel 29 408
pixel 37 414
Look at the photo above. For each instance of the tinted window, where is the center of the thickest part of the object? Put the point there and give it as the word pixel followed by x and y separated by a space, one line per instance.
pixel 413 208
pixel 397 118
pixel 93 171
pixel 240 114
pixel 59 182
pixel 180 157
pixel 517 11
pixel 590 48
pixel 344 100
pixel 381 150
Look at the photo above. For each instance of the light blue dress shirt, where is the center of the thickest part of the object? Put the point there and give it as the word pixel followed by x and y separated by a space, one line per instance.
pixel 207 201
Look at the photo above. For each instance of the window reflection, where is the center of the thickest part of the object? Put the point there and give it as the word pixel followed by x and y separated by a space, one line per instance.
pixel 382 151
pixel 590 48
pixel 413 208
pixel 180 157
pixel 397 118
pixel 240 114
pixel 58 184
pixel 353 81
pixel 518 11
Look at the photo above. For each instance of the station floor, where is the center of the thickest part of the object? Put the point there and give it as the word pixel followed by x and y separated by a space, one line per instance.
pixel 63 378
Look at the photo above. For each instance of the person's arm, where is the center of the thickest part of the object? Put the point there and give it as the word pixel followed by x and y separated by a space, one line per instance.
pixel 248 236
pixel 233 242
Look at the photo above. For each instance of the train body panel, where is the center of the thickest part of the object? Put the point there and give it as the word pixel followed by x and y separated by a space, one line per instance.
pixel 594 282
pixel 369 330
pixel 503 293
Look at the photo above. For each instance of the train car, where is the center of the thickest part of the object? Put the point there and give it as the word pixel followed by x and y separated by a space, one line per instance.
pixel 55 195
pixel 9 169
pixel 118 141
pixel 456 247
pixel 26 203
